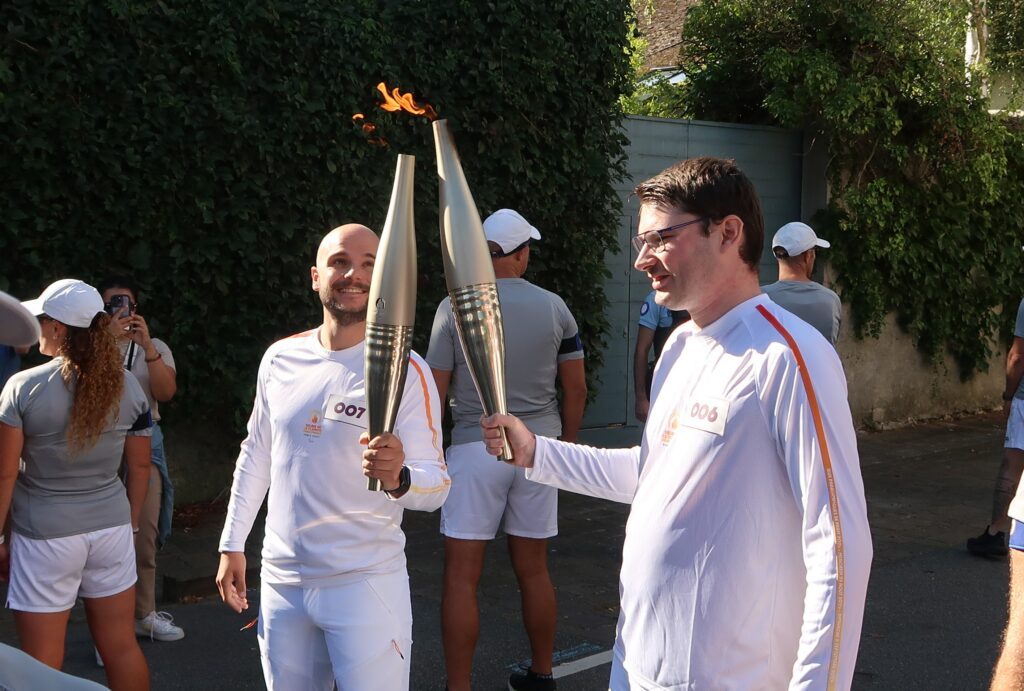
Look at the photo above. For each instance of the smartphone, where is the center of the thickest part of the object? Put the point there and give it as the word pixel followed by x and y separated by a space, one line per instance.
pixel 120 306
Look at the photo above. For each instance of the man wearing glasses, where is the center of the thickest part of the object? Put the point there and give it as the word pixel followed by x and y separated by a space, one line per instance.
pixel 747 551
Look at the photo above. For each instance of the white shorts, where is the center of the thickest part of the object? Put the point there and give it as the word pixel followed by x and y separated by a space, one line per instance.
pixel 49 575
pixel 484 490
pixel 1015 425
pixel 356 635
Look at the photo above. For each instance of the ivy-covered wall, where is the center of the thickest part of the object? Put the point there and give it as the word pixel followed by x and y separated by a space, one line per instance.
pixel 205 147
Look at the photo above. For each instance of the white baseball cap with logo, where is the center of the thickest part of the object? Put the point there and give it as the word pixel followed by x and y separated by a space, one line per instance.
pixel 796 238
pixel 69 301
pixel 509 230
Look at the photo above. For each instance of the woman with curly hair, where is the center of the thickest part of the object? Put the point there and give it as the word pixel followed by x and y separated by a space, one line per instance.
pixel 71 522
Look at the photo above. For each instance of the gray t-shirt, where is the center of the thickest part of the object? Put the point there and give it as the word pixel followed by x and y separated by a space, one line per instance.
pixel 812 302
pixel 59 495
pixel 540 332
pixel 1018 331
pixel 140 368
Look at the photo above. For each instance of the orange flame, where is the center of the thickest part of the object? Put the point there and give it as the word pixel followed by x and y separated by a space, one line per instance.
pixel 397 101
pixel 394 101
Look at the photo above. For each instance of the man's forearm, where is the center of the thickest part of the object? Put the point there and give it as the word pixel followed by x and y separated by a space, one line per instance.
pixel 640 372
pixel 1014 370
pixel 162 379
pixel 573 405
pixel 137 451
pixel 644 342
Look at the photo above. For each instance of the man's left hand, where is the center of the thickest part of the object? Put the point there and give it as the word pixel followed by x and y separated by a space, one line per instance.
pixel 383 459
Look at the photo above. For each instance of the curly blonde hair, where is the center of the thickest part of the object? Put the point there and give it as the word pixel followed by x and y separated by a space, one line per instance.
pixel 92 362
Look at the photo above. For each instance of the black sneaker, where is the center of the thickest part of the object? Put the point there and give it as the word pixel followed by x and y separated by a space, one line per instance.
pixel 530 681
pixel 988 544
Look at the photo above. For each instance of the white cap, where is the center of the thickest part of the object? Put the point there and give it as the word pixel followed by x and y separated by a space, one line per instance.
pixel 796 238
pixel 69 301
pixel 18 326
pixel 507 228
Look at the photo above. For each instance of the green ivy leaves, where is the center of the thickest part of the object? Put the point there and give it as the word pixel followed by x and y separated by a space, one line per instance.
pixel 925 185
pixel 205 147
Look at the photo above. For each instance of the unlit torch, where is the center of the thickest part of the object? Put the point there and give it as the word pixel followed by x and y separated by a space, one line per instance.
pixel 470 278
pixel 391 310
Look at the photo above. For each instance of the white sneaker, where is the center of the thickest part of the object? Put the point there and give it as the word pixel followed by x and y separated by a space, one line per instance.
pixel 99 660
pixel 158 626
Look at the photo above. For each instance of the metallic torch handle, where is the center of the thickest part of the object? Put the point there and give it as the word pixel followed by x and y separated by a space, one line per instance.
pixel 478 321
pixel 391 311
pixel 387 362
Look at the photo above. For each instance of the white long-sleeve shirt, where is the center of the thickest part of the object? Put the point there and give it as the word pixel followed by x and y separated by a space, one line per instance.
pixel 747 550
pixel 323 525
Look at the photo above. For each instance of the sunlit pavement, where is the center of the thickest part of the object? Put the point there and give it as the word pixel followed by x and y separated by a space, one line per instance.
pixel 934 616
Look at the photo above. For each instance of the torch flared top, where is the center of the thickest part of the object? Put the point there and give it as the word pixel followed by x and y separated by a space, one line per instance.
pixel 463 244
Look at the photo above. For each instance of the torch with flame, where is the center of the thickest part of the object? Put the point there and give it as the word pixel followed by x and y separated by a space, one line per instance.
pixel 471 284
pixel 391 309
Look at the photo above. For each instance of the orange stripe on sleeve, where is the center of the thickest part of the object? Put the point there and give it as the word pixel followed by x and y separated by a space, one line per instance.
pixel 833 499
pixel 426 406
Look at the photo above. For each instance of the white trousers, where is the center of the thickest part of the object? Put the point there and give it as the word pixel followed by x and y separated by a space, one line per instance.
pixel 356 635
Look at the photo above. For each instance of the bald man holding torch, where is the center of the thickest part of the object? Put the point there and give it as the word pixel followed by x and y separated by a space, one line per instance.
pixel 335 604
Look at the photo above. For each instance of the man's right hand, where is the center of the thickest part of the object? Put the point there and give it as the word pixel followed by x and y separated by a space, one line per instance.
pixel 643 407
pixel 120 324
pixel 231 580
pixel 521 440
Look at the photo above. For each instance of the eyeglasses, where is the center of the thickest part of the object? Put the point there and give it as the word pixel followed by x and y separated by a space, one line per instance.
pixel 655 239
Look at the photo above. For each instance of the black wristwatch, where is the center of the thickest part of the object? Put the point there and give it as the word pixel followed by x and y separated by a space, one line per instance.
pixel 404 483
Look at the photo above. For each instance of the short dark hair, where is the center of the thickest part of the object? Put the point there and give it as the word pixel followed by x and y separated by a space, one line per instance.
pixel 711 187
pixel 126 282
pixel 494 249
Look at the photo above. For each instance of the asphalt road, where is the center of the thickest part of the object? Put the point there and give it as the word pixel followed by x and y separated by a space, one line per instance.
pixel 934 616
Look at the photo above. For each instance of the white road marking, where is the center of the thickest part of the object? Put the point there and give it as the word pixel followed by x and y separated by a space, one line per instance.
pixel 582 664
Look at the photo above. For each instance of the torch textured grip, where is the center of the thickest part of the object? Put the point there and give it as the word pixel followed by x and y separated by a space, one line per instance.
pixel 387 363
pixel 478 320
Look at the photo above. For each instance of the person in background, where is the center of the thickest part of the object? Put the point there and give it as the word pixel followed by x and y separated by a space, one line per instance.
pixel 795 247
pixel 1009 672
pixel 71 522
pixel 992 541
pixel 19 671
pixel 542 348
pixel 152 363
pixel 655 325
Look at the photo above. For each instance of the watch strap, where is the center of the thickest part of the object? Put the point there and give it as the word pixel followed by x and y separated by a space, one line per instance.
pixel 404 483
